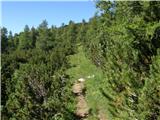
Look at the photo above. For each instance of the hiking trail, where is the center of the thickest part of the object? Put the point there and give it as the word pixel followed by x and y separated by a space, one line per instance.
pixel 86 79
pixel 78 89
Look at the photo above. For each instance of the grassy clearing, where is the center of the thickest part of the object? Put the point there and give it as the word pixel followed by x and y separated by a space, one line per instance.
pixel 81 68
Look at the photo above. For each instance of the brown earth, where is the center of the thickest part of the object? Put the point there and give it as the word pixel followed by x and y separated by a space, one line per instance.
pixel 101 115
pixel 81 106
pixel 82 109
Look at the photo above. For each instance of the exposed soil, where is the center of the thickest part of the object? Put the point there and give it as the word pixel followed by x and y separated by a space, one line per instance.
pixel 82 109
pixel 101 115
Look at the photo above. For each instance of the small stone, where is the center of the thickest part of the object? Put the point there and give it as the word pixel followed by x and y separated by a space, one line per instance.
pixel 81 79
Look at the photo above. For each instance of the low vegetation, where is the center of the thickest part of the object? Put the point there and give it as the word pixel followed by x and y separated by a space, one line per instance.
pixel 117 52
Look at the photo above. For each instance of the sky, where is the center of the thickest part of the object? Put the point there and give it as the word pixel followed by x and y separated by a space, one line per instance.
pixel 15 15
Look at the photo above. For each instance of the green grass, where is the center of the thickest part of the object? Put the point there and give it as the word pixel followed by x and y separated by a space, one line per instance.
pixel 81 68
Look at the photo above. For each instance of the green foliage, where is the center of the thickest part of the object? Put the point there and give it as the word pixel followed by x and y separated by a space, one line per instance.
pixel 44 40
pixel 4 39
pixel 25 39
pixel 82 32
pixel 34 83
pixel 11 41
pixel 71 37
pixel 36 93
pixel 122 40
pixel 33 37
pixel 150 109
pixel 123 44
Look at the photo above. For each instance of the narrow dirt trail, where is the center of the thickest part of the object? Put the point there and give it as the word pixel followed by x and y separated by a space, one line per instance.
pixel 82 109
pixel 101 115
pixel 86 79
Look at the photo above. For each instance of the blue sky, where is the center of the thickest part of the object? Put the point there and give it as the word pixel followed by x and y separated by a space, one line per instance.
pixel 15 15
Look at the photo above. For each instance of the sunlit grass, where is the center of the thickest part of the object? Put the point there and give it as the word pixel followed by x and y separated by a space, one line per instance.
pixel 81 68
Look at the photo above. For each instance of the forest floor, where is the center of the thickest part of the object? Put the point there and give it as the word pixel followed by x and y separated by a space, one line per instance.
pixel 87 80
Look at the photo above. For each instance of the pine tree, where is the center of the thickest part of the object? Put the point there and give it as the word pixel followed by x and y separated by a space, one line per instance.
pixel 25 40
pixel 71 37
pixel 11 41
pixel 33 37
pixel 44 40
pixel 4 39
pixel 81 35
pixel 16 41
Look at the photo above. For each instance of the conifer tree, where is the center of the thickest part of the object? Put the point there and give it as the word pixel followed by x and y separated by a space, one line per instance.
pixel 16 41
pixel 71 37
pixel 25 40
pixel 11 41
pixel 4 39
pixel 81 35
pixel 33 37
pixel 44 41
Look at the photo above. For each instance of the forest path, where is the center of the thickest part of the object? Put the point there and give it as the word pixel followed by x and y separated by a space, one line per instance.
pixel 86 79
pixel 78 89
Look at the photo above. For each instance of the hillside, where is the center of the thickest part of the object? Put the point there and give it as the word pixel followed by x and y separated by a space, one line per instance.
pixel 105 69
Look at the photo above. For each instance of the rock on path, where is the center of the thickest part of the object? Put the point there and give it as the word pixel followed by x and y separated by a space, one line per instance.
pixel 78 88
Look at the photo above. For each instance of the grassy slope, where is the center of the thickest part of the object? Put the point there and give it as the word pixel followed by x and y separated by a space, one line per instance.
pixel 83 67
